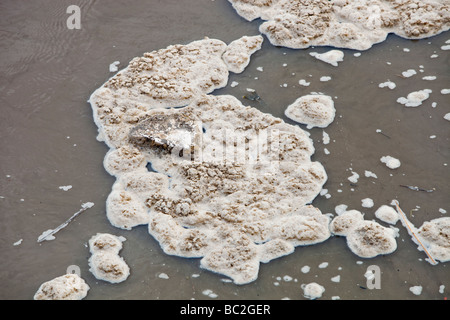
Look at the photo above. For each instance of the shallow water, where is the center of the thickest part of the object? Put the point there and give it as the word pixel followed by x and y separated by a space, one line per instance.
pixel 47 72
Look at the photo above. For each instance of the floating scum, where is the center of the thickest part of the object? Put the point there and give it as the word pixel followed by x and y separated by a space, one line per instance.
pixel 230 185
pixel 351 24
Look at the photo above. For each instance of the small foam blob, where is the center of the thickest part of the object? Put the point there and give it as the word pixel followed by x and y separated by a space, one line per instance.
pixel 365 238
pixel 367 203
pixel 391 85
pixel 415 99
pixel 417 290
pixel 312 110
pixel 237 55
pixel 114 67
pixel 436 235
pixel 313 290
pixel 390 162
pixel 67 287
pixel 105 263
pixel 387 214
pixel 332 57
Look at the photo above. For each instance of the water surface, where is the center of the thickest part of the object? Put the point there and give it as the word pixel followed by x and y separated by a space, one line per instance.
pixel 47 73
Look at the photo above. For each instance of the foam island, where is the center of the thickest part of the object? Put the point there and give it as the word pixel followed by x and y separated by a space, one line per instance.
pixel 67 287
pixel 170 77
pixel 233 211
pixel 436 237
pixel 230 185
pixel 365 238
pixel 314 110
pixel 352 24
pixel 105 262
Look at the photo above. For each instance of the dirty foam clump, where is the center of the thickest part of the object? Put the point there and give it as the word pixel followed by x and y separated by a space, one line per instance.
pixel 66 287
pixel 332 57
pixel 415 99
pixel 354 24
pixel 228 184
pixel 391 85
pixel 365 238
pixel 170 77
pixel 313 290
pixel 237 55
pixel 313 110
pixel 435 235
pixel 387 214
pixel 390 162
pixel 105 262
pixel 233 207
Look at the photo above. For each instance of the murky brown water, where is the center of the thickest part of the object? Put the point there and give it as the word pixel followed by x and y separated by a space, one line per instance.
pixel 48 139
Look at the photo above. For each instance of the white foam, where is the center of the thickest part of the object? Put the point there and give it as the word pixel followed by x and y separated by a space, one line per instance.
pixel 354 177
pixel 65 188
pixel 332 57
pixel 325 138
pixel 367 203
pixel 445 91
pixel 417 290
pixel 212 208
pixel 390 162
pixel 305 269
pixel 114 67
pixel 391 85
pixel 387 214
pixel 434 236
pixel 365 238
pixel 447 116
pixel 238 53
pixel 325 78
pixel 105 263
pixel 163 275
pixel 313 290
pixel 340 209
pixel 336 279
pixel 66 287
pixel 312 110
pixel 303 82
pixel 409 73
pixel 356 24
pixel 370 174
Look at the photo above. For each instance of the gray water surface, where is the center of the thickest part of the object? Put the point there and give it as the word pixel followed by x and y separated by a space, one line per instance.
pixel 48 140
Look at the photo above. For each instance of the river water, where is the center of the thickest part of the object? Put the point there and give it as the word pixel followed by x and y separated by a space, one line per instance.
pixel 48 141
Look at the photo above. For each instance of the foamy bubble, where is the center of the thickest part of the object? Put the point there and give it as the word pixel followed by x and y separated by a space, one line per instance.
pixel 313 290
pixel 390 162
pixel 365 238
pixel 66 287
pixel 354 24
pixel 332 57
pixel 312 110
pixel 415 99
pixel 105 262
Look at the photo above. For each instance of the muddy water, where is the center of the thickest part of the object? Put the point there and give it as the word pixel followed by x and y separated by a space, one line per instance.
pixel 48 140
